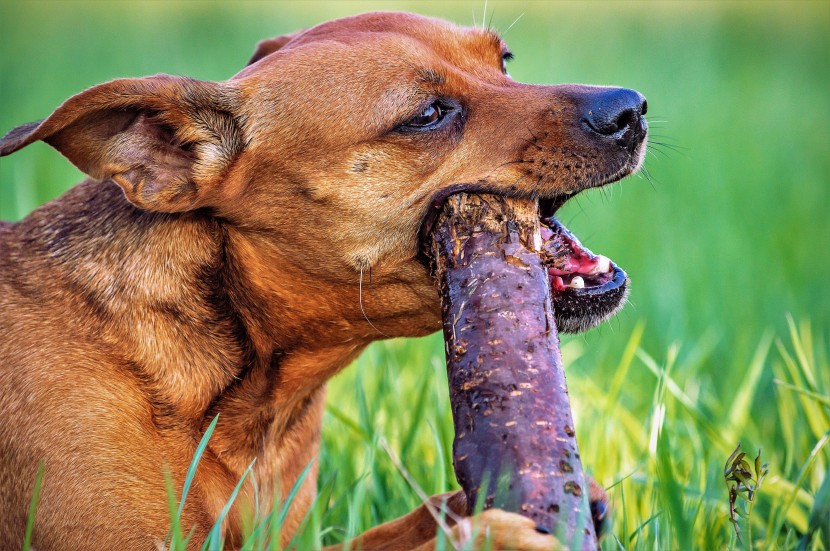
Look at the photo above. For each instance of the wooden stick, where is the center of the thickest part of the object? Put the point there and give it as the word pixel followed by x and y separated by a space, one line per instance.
pixel 513 425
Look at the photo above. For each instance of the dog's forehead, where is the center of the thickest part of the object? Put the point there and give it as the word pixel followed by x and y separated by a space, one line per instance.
pixel 386 32
pixel 364 72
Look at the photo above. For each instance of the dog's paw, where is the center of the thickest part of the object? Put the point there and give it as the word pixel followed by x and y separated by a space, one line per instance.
pixel 498 530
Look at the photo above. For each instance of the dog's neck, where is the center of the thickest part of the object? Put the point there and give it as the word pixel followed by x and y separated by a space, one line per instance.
pixel 202 321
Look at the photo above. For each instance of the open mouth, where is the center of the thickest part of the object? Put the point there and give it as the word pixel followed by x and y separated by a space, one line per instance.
pixel 586 288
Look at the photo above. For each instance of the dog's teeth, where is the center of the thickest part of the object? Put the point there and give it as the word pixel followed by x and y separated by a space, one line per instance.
pixel 577 283
pixel 603 265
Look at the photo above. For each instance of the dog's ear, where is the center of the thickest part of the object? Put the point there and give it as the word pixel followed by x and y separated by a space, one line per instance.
pixel 271 45
pixel 167 141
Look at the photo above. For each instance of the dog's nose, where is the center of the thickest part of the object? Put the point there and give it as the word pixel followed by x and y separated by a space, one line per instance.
pixel 618 114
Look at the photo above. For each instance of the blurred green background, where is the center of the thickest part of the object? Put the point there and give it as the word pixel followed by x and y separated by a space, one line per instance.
pixel 728 236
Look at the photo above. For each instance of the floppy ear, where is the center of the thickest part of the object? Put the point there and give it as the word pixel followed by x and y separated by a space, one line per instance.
pixel 271 45
pixel 167 141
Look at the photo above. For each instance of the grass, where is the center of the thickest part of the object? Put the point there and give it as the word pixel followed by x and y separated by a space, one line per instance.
pixel 662 460
pixel 726 245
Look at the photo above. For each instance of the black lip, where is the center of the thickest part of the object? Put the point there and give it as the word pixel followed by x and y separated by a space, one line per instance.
pixel 577 310
pixel 619 279
pixel 434 209
pixel 548 207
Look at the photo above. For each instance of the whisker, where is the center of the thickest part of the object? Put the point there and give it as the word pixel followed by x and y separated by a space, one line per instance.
pixel 577 200
pixel 504 33
pixel 360 299
pixel 645 173
pixel 535 137
pixel 662 136
pixel 671 146
pixel 653 151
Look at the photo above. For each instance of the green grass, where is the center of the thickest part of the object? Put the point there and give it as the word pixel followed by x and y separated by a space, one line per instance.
pixel 727 247
pixel 662 459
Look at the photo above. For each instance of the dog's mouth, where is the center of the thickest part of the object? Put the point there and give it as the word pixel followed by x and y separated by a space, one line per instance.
pixel 586 288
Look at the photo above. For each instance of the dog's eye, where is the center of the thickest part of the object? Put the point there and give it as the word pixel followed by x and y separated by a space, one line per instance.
pixel 505 57
pixel 429 117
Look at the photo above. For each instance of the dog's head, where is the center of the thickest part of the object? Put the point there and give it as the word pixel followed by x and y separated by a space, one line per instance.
pixel 334 145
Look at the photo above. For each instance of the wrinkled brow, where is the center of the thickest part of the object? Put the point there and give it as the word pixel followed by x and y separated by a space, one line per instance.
pixel 428 76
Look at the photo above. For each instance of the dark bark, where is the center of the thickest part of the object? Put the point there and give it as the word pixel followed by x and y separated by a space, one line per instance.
pixel 513 424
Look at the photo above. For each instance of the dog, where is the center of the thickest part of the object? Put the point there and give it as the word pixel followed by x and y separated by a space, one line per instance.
pixel 213 262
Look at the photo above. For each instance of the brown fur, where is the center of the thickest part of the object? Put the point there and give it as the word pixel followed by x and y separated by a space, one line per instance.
pixel 211 264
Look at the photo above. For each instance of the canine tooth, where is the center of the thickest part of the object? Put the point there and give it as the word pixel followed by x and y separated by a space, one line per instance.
pixel 602 266
pixel 577 283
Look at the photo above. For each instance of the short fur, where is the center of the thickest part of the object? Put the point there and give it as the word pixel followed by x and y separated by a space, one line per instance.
pixel 211 263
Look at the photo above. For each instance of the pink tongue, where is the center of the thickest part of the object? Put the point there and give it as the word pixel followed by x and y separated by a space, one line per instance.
pixel 558 284
pixel 567 254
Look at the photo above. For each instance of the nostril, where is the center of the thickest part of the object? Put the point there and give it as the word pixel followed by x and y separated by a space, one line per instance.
pixel 608 123
pixel 614 111
pixel 626 118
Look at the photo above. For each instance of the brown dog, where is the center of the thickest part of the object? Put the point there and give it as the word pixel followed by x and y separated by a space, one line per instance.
pixel 212 263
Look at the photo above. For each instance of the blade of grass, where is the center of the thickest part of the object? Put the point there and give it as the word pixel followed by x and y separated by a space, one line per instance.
pixel 436 514
pixel 323 497
pixel 364 416
pixel 349 490
pixel 672 493
pixel 30 521
pixel 815 418
pixel 295 488
pixel 440 480
pixel 700 417
pixel 797 337
pixel 191 472
pixel 621 371
pixel 624 512
pixel 740 410
pixel 270 524
pixel 346 420
pixel 823 400
pixel 782 514
pixel 214 539
pixel 642 526
pixel 415 417
pixel 174 536
pixel 787 408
